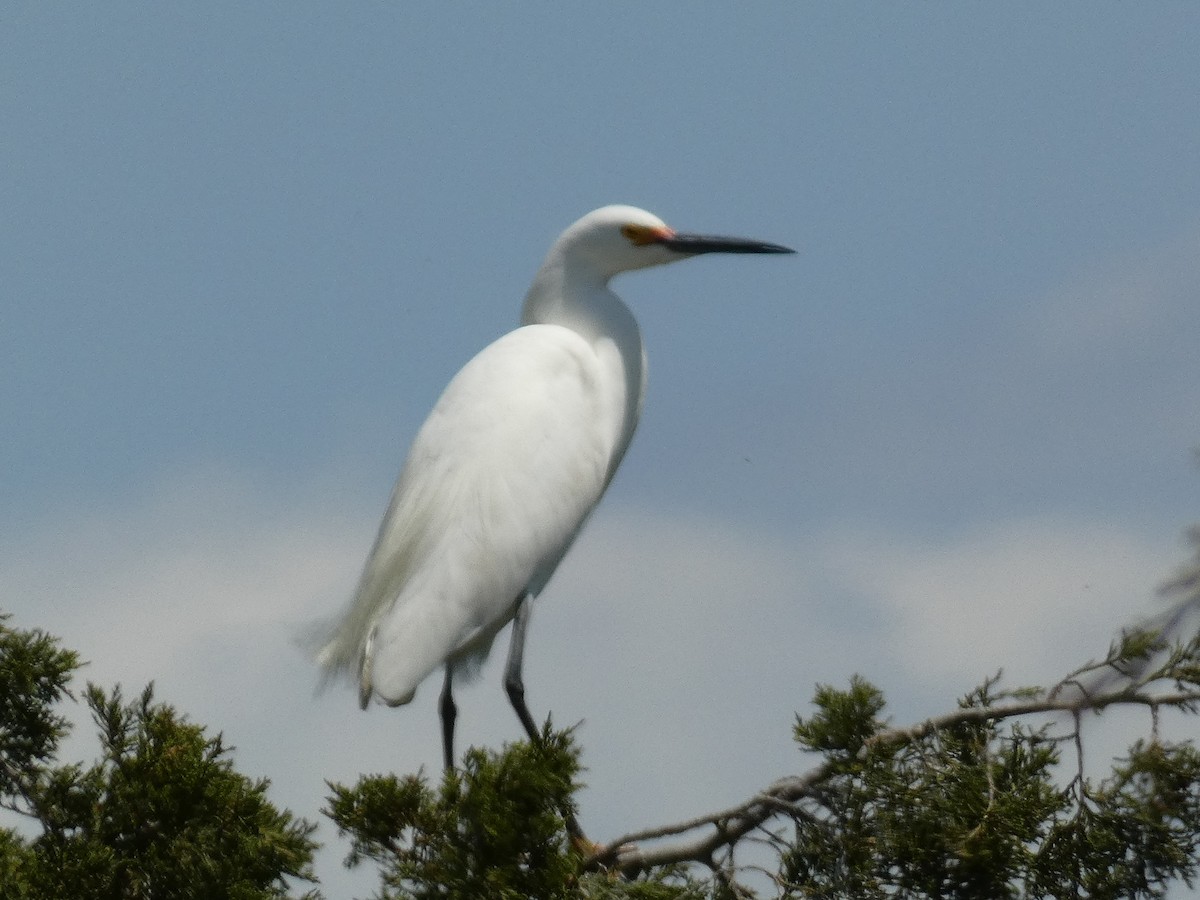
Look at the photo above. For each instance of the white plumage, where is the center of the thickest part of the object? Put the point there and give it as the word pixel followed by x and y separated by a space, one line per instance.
pixel 504 472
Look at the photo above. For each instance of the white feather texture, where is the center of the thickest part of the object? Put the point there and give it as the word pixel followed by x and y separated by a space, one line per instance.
pixel 512 459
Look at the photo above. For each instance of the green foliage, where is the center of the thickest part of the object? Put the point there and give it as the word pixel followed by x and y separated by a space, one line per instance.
pixel 1132 834
pixel 34 674
pixel 976 809
pixel 845 720
pixel 495 828
pixel 973 804
pixel 161 814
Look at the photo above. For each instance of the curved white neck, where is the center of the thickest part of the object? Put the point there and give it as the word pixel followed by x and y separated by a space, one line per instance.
pixel 584 304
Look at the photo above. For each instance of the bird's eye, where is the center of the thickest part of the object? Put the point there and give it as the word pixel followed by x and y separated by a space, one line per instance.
pixel 631 232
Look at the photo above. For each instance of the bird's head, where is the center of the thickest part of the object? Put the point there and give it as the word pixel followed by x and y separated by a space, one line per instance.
pixel 616 239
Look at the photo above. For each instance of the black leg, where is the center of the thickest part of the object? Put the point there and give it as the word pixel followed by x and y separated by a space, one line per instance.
pixel 515 688
pixel 513 684
pixel 449 713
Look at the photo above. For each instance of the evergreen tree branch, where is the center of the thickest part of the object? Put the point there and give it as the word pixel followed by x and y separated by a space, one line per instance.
pixel 725 828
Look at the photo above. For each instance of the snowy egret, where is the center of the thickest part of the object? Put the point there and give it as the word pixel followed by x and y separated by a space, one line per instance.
pixel 506 469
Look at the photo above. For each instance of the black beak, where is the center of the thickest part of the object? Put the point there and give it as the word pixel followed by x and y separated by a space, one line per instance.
pixel 693 244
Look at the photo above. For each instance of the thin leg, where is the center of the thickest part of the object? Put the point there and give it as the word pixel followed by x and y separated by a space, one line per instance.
pixel 516 695
pixel 449 712
pixel 513 684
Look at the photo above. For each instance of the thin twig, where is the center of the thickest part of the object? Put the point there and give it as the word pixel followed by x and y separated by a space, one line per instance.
pixel 723 829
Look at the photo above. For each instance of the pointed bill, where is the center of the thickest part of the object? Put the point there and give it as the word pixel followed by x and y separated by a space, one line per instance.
pixel 693 244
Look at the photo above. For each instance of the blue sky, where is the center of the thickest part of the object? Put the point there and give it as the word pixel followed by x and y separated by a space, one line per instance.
pixel 244 248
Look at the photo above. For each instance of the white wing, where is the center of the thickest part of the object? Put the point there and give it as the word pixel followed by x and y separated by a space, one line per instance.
pixel 497 484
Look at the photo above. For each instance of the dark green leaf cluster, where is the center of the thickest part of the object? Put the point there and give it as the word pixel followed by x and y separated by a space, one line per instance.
pixel 161 814
pixel 1133 834
pixel 34 674
pixel 495 828
pixel 844 721
pixel 976 809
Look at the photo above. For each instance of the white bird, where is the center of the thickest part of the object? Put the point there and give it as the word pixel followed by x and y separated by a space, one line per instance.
pixel 501 477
